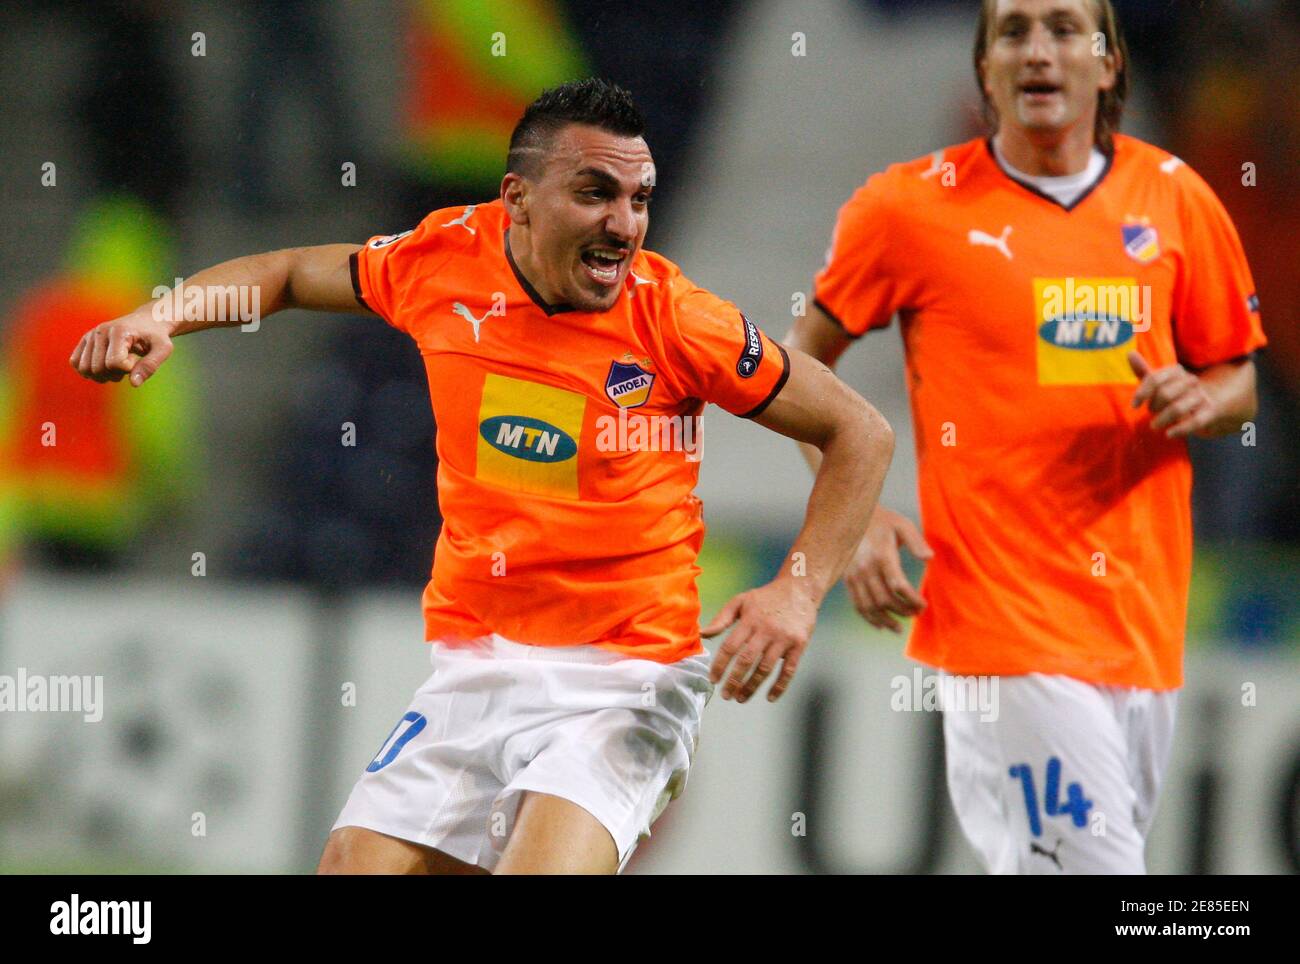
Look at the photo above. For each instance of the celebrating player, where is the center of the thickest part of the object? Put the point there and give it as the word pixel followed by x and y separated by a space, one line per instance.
pixel 567 369
pixel 1074 303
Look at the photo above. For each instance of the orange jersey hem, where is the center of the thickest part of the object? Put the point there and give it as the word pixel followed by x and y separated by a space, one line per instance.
pixel 1016 664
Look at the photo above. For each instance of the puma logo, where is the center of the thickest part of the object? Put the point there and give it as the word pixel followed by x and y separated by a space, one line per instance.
pixel 459 309
pixel 1171 165
pixel 461 221
pixel 637 280
pixel 1000 242
pixel 1034 848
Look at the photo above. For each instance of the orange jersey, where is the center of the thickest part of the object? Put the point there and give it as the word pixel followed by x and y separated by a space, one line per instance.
pixel 567 440
pixel 1060 522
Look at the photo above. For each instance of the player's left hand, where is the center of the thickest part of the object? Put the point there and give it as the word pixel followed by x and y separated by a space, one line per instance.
pixel 1176 397
pixel 772 624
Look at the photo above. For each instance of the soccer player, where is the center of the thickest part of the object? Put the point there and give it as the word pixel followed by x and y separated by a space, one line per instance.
pixel 567 368
pixel 1074 303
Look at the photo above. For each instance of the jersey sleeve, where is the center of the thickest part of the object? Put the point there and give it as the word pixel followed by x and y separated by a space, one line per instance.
pixel 718 355
pixel 857 287
pixel 1215 308
pixel 387 267
pixel 382 270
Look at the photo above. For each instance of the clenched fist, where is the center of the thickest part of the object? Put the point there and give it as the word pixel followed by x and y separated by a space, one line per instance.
pixel 135 345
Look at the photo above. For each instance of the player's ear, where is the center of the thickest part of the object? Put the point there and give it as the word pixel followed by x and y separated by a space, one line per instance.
pixel 984 78
pixel 514 195
pixel 1110 65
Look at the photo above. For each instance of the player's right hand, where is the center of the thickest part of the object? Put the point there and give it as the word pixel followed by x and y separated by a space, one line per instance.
pixel 877 585
pixel 135 344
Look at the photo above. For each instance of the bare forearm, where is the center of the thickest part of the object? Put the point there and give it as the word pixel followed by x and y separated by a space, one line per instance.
pixel 850 470
pixel 818 337
pixel 245 290
pixel 812 455
pixel 1232 387
pixel 234 292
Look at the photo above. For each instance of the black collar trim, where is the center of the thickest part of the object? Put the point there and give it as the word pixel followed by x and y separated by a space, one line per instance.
pixel 527 286
pixel 1110 160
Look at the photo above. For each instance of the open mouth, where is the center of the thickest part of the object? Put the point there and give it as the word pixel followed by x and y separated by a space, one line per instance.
pixel 603 263
pixel 1039 90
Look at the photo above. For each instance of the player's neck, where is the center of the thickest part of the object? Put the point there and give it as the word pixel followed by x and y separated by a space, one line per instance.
pixel 1038 155
pixel 522 253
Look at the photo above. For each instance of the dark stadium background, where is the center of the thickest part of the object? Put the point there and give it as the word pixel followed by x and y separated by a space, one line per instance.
pixel 249 587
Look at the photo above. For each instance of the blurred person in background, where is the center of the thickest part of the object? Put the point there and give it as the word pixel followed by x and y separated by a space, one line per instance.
pixel 1075 303
pixel 471 67
pixel 85 473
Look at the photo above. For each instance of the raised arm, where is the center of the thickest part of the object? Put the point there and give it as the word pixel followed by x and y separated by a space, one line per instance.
pixel 238 292
pixel 774 623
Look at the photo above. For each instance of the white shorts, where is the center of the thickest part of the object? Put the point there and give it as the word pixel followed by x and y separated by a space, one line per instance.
pixel 611 733
pixel 1065 779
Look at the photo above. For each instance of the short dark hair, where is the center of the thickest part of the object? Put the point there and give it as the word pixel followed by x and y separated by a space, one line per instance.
pixel 1110 103
pixel 592 101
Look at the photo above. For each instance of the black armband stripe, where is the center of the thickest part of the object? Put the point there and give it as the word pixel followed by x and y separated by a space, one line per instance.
pixel 833 317
pixel 354 268
pixel 776 389
pixel 1235 360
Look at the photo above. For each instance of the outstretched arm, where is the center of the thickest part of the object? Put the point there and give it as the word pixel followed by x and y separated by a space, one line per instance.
pixel 318 278
pixel 775 622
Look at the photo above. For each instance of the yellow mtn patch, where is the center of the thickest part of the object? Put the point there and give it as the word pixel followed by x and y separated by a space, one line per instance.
pixel 528 436
pixel 1085 328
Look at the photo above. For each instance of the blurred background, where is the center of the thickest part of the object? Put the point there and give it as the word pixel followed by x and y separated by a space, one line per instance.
pixel 249 588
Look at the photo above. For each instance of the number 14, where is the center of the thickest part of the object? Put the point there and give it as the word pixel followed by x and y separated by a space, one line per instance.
pixel 1077 805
